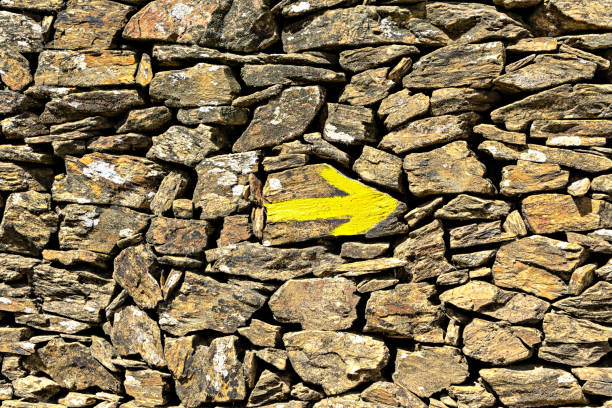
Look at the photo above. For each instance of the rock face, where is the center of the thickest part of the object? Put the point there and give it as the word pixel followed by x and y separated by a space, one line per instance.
pixel 305 203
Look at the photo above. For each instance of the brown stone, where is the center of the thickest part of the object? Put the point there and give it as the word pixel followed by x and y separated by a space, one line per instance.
pixel 203 303
pixel 389 394
pixel 359 250
pixel 549 213
pixel 73 68
pixel 401 106
pixel 465 207
pixel 478 234
pixel 367 87
pixel 24 125
pixel 554 17
pixel 201 85
pixel 491 132
pixel 316 304
pixel 535 387
pixel 137 271
pixel 261 333
pixel 283 118
pixel 379 167
pixel 474 65
pixel 186 146
pixel 316 146
pixel 444 365
pixel 134 332
pixel 214 115
pixel 148 387
pixel 369 26
pixel 593 303
pixel 371 57
pixel 528 177
pixel 456 100
pixel 14 69
pixel 20 33
pixel 271 74
pixel 145 120
pixel 336 361
pixel 405 311
pixel 349 125
pixel 490 300
pixel 270 387
pixel 98 229
pixel 450 169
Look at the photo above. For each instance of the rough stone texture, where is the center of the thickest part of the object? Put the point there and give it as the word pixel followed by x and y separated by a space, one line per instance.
pixel 186 146
pixel 134 332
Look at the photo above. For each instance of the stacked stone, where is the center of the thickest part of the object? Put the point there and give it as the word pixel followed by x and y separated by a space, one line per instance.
pixel 305 203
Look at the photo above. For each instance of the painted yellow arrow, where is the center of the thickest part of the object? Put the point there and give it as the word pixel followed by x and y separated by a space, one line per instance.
pixel 363 207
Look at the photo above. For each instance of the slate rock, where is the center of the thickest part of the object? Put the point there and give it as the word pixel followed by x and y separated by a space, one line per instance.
pixel 24 125
pixel 171 236
pixel 28 223
pixel 490 300
pixel 270 387
pixel 406 311
pixel 476 234
pixel 214 115
pixel 316 304
pixel 35 5
pixel 98 229
pixel 73 68
pixel 148 387
pixel 401 106
pixel 336 361
pixel 554 17
pixel 370 26
pixel 201 85
pixel 15 69
pixel 204 303
pixel 444 365
pixel 381 168
pixel 20 32
pixel 445 101
pixel 349 125
pixel 100 178
pixel 222 182
pixel 465 207
pixel 529 386
pixel 72 366
pixel 592 304
pixel 91 25
pixel 134 332
pixel 529 177
pixel 266 263
pixel 371 57
pixel 450 169
pixel 580 101
pixel 271 74
pixel 186 146
pixel 34 388
pixel 146 120
pixel 367 87
pixel 474 65
pixel 137 271
pixel 283 118
pixel 261 333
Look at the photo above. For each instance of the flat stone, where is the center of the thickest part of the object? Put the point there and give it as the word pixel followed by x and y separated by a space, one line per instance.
pixel 202 303
pixel 476 234
pixel 35 5
pixel 20 32
pixel 261 333
pixel 592 304
pixel 549 213
pixel 264 263
pixel 213 373
pixel 580 101
pixel 23 154
pixel 490 300
pixel 475 395
pixel 473 259
pixel 450 169
pixel 222 181
pixel 316 304
pixel 444 365
pixel 581 278
pixel 80 105
pixel 580 160
pixel 257 96
pixel 100 178
pixel 496 343
pixel 297 7
pixel 349 125
pixel 272 164
pixel 546 71
pixel 515 224
pixel 369 26
pixel 236 228
pixel 28 223
pixel 336 361
pixel 371 57
pixel 89 124
pixel 98 229
pixel 593 41
pixel 171 187
pixel 146 120
pixel 201 85
pixel 134 332
pixel 89 24
pixel 367 87
pixel 52 323
pixel 528 386
pixel 427 132
pixel 389 394
pixel 598 379
pixel 405 311
pixel 15 69
pixel 214 115
pixel 271 74
pixel 568 128
pixel 381 168
pixel 360 250
pixel 315 145
pixel 35 388
pixel 424 249
pixel 13 267
pixel 554 17
pixel 171 236
pixel 529 177
pixel 537 44
pixel 72 366
pixel 21 126
pixel 210 23
pixel 283 118
pixel 401 106
pixel 305 203
pixel 126 143
pixel 186 146
pixel 77 294
pixel 73 68
pixel 137 271
pixel 474 65
pixel 270 387
pixel 148 387
pixel 465 207
pixel 573 341
pixel 457 100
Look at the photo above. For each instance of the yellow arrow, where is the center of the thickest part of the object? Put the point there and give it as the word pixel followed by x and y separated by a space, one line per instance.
pixel 363 207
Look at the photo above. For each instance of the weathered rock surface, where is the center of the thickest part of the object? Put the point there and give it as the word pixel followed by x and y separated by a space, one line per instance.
pixel 137 271
pixel 134 332
pixel 186 146
pixel 336 361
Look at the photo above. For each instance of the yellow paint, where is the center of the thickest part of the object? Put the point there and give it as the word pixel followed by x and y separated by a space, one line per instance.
pixel 363 207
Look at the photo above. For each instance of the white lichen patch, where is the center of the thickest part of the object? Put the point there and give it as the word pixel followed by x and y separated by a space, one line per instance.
pixel 299 7
pixel 180 11
pixel 332 133
pixel 275 184
pixel 99 169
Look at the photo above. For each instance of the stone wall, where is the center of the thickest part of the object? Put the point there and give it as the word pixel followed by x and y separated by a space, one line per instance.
pixel 305 203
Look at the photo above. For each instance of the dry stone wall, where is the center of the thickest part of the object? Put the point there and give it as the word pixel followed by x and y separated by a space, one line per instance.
pixel 305 203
